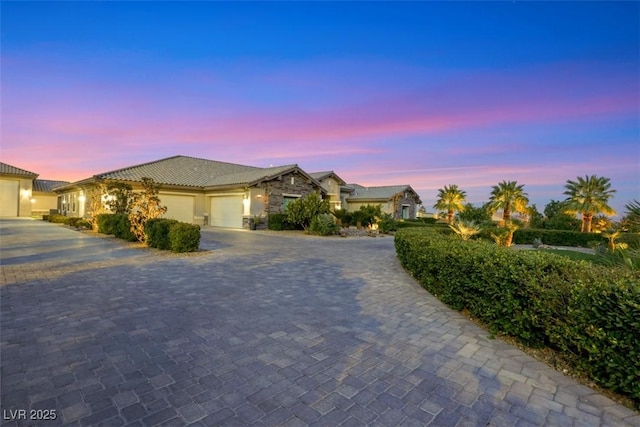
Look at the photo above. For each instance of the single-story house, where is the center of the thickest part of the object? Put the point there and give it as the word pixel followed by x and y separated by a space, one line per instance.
pixel 204 191
pixel 333 185
pixel 400 201
pixel 22 194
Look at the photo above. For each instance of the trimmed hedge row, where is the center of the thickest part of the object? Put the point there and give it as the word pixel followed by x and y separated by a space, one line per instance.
pixel 526 236
pixel 590 313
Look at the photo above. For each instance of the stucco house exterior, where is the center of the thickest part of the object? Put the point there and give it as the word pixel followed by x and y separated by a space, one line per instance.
pixel 23 195
pixel 202 191
pixel 400 201
pixel 332 184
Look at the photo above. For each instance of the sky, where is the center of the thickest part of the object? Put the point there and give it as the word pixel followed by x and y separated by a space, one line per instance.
pixel 383 93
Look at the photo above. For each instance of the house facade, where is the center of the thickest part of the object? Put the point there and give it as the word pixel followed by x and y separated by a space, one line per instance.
pixel 400 201
pixel 332 184
pixel 23 195
pixel 202 191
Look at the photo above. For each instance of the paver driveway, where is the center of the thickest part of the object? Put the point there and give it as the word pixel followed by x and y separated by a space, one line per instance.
pixel 265 329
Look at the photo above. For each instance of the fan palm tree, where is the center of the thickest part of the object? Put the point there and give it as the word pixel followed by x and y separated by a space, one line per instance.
pixel 589 196
pixel 450 199
pixel 510 197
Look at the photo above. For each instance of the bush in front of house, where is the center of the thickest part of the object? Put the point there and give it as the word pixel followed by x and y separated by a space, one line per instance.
pixel 117 225
pixel 324 225
pixel 58 219
pixel 387 223
pixel 157 232
pixel 184 237
pixel 587 312
pixel 279 222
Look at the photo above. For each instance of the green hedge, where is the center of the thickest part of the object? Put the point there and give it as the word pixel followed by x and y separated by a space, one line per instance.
pixel 58 219
pixel 116 225
pixel 184 237
pixel 278 222
pixel 590 313
pixel 157 232
pixel 525 236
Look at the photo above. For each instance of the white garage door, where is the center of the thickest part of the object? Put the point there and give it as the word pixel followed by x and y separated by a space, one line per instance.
pixel 178 207
pixel 226 211
pixel 9 191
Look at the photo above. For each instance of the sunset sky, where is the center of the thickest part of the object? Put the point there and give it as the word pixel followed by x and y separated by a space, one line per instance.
pixel 426 94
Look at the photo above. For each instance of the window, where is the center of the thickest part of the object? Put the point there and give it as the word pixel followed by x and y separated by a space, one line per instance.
pixel 288 199
pixel 293 180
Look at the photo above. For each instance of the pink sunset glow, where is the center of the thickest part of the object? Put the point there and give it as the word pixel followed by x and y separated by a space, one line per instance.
pixel 73 108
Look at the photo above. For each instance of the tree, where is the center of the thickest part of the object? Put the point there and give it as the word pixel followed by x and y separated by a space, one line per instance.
pixel 589 196
pixel 477 215
pixel 119 197
pixel 556 219
pixel 510 197
pixel 535 217
pixel 450 199
pixel 304 209
pixel 145 206
pixel 96 204
pixel 631 221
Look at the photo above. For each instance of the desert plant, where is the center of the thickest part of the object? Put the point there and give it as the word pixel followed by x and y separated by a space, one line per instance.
pixel 503 236
pixel 145 206
pixel 589 196
pixel 465 229
pixel 97 204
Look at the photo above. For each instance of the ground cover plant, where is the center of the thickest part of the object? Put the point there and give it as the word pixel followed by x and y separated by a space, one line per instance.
pixel 587 313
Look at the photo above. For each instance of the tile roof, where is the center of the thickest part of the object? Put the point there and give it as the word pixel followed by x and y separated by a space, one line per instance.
pixel 12 170
pixel 375 193
pixel 321 175
pixel 46 185
pixel 194 172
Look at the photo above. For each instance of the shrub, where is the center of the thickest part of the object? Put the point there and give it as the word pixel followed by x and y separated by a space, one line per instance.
pixel 387 224
pixel 116 225
pixel 526 236
pixel 278 222
pixel 58 219
pixel 106 223
pixel 73 221
pixel 184 237
pixel 84 224
pixel 145 206
pixel 323 225
pixel 157 231
pixel 542 299
pixel 301 211
pixel 45 217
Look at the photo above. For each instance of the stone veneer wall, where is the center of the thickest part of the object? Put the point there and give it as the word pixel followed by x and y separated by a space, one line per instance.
pixel 410 200
pixel 275 189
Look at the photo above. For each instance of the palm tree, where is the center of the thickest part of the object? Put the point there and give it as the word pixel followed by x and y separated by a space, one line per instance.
pixel 508 196
pixel 450 199
pixel 588 196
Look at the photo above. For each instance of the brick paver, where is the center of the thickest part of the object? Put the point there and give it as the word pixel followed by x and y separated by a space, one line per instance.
pixel 263 329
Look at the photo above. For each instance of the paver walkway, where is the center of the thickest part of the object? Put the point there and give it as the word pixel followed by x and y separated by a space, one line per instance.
pixel 265 329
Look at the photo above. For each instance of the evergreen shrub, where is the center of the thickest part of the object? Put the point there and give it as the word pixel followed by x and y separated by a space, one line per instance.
pixel 588 312
pixel 184 237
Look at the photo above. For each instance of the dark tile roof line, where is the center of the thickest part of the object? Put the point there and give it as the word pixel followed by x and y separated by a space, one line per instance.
pixel 8 169
pixel 47 185
pixel 384 192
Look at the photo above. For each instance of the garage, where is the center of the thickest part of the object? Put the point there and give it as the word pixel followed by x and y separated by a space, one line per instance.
pixel 179 207
pixel 9 197
pixel 226 211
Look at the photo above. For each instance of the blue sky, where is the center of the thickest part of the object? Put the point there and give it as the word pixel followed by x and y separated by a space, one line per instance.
pixel 426 94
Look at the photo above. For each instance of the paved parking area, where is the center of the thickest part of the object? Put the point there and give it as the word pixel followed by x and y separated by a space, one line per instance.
pixel 263 329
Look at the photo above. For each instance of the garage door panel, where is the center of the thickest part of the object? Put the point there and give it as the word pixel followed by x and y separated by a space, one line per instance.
pixel 9 197
pixel 226 211
pixel 179 207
